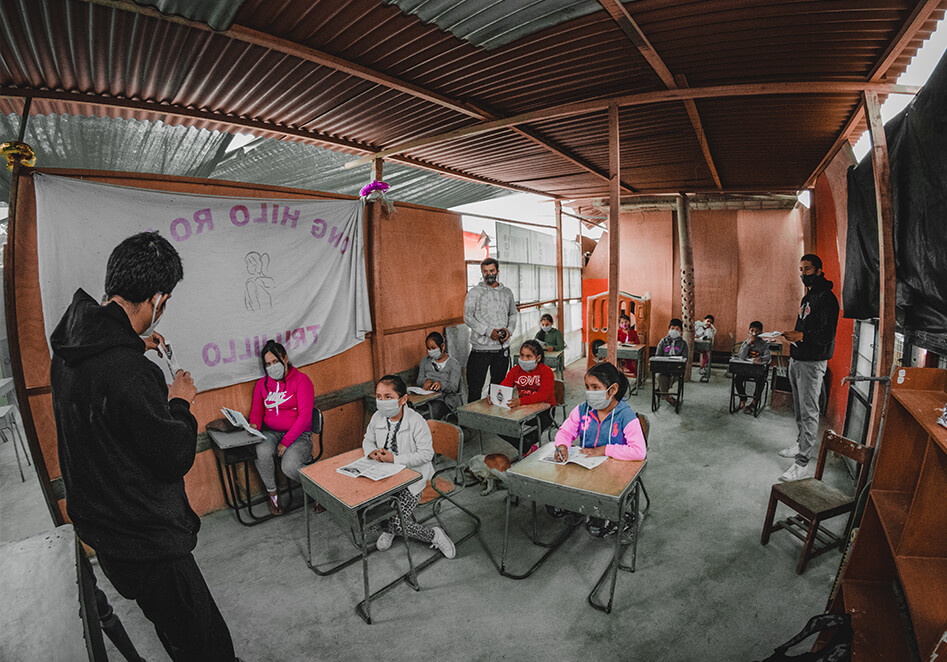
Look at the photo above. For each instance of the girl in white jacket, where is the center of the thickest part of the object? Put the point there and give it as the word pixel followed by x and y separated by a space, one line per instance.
pixel 396 433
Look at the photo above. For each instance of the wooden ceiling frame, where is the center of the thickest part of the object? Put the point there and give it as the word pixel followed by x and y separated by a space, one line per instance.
pixel 162 111
pixel 286 47
pixel 798 88
pixel 918 17
pixel 638 39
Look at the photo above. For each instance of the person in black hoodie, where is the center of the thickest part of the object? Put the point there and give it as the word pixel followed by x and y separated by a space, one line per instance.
pixel 126 440
pixel 813 343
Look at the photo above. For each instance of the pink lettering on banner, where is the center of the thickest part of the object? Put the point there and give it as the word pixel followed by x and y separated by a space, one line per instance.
pixel 262 217
pixel 294 217
pixel 211 354
pixel 345 245
pixel 248 354
pixel 335 236
pixel 239 215
pixel 258 344
pixel 180 229
pixel 233 353
pixel 314 330
pixel 299 337
pixel 203 217
pixel 319 228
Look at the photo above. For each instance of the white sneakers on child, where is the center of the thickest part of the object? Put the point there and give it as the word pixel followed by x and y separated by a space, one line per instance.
pixel 384 541
pixel 795 472
pixel 792 451
pixel 443 542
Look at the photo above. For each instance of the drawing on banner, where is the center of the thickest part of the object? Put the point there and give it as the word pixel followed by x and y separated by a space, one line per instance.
pixel 257 293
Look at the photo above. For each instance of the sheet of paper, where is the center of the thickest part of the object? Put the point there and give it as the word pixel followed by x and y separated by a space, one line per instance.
pixel 236 418
pixel 365 468
pixel 770 335
pixel 417 390
pixel 501 395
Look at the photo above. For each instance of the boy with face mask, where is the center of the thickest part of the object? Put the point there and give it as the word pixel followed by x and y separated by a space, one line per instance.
pixel 757 350
pixel 671 345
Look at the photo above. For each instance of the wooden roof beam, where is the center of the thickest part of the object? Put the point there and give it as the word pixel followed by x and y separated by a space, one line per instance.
pixel 637 37
pixel 816 87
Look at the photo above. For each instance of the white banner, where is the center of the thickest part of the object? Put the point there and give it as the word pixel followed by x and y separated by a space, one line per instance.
pixel 254 269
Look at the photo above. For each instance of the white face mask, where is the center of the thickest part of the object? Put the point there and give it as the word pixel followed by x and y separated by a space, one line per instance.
pixel 154 319
pixel 597 399
pixel 545 327
pixel 387 408
pixel 434 353
pixel 276 370
pixel 674 334
pixel 527 366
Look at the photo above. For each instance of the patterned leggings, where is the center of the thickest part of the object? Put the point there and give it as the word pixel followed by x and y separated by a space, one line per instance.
pixel 414 528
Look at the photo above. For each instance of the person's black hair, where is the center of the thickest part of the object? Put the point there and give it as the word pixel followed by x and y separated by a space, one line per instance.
pixel 756 324
pixel 608 374
pixel 709 317
pixel 812 259
pixel 536 348
pixel 141 266
pixel 437 338
pixel 546 316
pixel 624 317
pixel 274 348
pixel 488 261
pixel 675 321
pixel 395 382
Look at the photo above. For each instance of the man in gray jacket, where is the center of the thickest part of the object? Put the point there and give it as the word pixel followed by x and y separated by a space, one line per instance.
pixel 490 312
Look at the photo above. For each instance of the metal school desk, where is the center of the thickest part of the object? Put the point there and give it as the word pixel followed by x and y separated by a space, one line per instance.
pixel 609 490
pixel 631 353
pixel 485 417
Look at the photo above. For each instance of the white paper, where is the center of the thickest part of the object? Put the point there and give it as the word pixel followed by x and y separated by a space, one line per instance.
pixel 417 390
pixel 501 395
pixel 236 418
pixel 770 335
pixel 370 469
pixel 576 457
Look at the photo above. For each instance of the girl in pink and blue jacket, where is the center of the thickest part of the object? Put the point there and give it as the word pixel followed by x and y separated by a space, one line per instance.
pixel 602 425
pixel 282 411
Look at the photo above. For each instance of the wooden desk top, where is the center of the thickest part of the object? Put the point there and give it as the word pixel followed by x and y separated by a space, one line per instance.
pixel 611 478
pixel 419 399
pixel 354 491
pixel 484 408
pixel 40 618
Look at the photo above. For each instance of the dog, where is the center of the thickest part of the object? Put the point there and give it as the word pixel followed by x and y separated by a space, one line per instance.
pixel 489 470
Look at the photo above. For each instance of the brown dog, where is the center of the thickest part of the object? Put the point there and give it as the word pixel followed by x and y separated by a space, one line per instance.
pixel 488 470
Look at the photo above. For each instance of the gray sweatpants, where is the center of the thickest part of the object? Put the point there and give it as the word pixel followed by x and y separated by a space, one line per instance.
pixel 805 377
pixel 293 458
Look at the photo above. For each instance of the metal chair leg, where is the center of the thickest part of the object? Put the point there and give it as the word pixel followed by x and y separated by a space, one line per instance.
pixel 16 452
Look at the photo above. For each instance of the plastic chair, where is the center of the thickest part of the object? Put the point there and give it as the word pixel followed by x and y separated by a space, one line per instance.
pixel 8 422
pixel 815 502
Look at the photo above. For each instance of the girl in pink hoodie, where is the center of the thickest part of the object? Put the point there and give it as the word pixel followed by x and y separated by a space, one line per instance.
pixel 282 410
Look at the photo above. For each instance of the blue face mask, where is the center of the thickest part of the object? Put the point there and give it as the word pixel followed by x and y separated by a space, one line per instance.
pixel 527 366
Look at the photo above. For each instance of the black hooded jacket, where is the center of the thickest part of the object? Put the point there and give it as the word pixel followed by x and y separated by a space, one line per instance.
pixel 817 319
pixel 123 448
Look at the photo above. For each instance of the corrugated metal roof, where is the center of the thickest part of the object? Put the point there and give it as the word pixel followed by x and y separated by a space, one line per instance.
pixel 494 23
pixel 218 14
pixel 365 75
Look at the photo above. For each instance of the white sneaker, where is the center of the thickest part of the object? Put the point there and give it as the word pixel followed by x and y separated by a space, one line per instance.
pixel 795 472
pixel 792 451
pixel 384 541
pixel 443 543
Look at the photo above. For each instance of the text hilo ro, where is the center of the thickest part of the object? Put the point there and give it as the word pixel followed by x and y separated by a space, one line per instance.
pixel 183 229
pixel 293 339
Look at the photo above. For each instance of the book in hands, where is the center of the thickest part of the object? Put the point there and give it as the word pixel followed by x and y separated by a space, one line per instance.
pixel 237 419
pixel 501 395
pixel 417 390
pixel 576 457
pixel 366 468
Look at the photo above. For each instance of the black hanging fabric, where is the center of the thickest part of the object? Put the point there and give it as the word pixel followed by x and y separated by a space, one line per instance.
pixel 917 152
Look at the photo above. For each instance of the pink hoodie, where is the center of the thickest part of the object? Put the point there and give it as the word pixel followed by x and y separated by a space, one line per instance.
pixel 284 406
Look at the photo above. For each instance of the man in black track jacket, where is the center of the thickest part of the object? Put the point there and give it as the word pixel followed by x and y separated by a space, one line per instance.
pixel 813 343
pixel 126 440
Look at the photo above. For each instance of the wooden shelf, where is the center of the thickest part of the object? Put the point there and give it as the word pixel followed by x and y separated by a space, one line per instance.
pixel 879 632
pixel 892 510
pixel 923 406
pixel 923 580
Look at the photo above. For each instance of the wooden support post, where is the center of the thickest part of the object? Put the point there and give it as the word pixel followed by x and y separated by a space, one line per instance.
pixel 373 220
pixel 614 212
pixel 559 274
pixel 687 278
pixel 886 276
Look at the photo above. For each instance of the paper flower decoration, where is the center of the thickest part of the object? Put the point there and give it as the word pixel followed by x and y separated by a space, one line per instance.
pixel 15 151
pixel 378 191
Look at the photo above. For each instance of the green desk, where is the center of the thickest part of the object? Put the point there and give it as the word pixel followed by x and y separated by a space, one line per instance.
pixel 609 490
pixel 634 353
pixel 356 502
pixel 556 360
pixel 485 417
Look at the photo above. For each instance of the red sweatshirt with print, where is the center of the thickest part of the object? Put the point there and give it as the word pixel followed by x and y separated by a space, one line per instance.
pixel 535 386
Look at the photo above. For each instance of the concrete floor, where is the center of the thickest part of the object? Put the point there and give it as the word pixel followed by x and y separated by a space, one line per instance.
pixel 705 589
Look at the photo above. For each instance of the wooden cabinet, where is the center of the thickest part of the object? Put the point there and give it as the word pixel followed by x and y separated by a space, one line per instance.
pixel 895 581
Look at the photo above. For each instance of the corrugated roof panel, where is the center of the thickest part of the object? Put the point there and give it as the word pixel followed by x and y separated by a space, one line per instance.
pixel 218 14
pixel 490 24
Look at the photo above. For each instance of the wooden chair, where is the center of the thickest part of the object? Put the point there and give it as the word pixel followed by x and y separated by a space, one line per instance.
pixel 815 502
pixel 448 440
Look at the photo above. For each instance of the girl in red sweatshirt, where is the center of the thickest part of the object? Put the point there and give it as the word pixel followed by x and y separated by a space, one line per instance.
pixel 282 410
pixel 534 382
